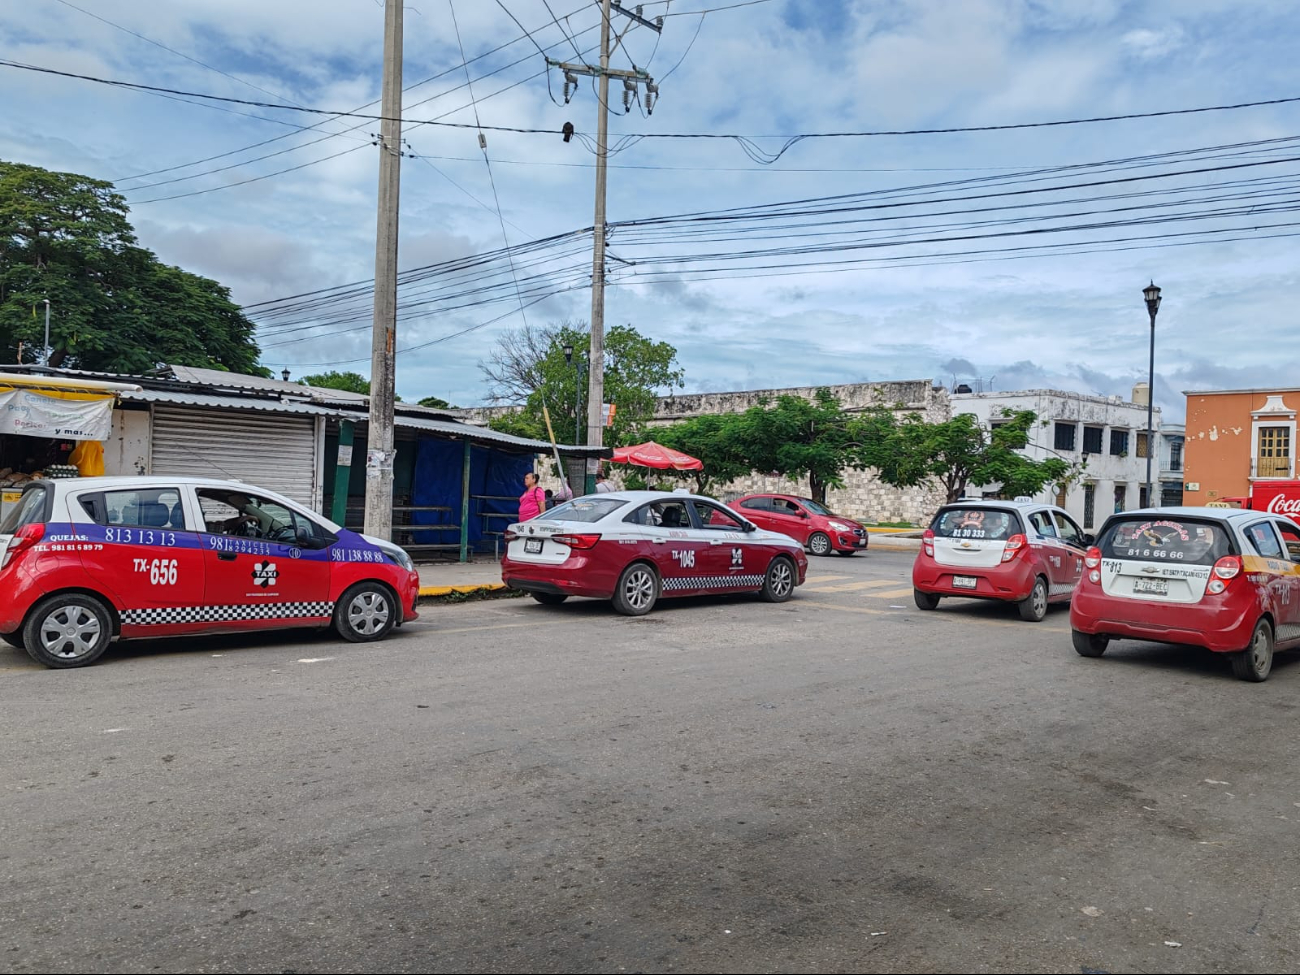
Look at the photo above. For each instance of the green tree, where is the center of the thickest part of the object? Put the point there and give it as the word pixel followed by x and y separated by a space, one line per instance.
pixel 437 403
pixel 114 305
pixel 528 369
pixel 349 382
pixel 713 439
pixel 959 453
pixel 795 437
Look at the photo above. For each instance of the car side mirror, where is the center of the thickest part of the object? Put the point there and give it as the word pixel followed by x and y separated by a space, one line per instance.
pixel 803 514
pixel 306 539
pixel 1089 541
pixel 750 526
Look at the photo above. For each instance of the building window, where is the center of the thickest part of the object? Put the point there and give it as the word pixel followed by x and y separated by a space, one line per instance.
pixel 1065 436
pixel 1142 450
pixel 1121 496
pixel 1142 496
pixel 1089 505
pixel 1092 440
pixel 1171 494
pixel 1274 458
pixel 1118 443
pixel 1176 456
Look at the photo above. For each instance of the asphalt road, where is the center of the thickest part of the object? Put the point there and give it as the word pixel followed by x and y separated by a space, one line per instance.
pixel 838 784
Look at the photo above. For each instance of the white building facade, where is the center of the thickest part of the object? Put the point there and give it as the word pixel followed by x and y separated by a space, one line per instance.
pixel 1103 438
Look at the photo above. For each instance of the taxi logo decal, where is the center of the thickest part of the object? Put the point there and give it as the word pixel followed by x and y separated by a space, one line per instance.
pixel 737 558
pixel 265 573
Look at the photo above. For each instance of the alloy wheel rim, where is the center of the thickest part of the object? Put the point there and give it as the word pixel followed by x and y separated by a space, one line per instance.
pixel 821 544
pixel 70 632
pixel 368 613
pixel 639 588
pixel 1260 649
pixel 781 578
pixel 1040 599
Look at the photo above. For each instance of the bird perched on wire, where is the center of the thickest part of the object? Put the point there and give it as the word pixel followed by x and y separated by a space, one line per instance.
pixel 568 131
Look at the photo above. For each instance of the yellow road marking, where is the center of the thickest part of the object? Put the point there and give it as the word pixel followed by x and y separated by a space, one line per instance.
pixel 946 617
pixel 853 586
pixel 892 594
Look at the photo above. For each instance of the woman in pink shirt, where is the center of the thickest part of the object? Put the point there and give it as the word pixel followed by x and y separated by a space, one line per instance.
pixel 533 500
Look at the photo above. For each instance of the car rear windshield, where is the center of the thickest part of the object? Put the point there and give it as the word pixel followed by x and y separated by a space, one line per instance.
pixel 994 524
pixel 1186 541
pixel 29 510
pixel 584 509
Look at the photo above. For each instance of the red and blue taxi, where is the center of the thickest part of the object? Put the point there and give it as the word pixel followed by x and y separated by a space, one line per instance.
pixel 85 560
pixel 633 547
pixel 1224 579
pixel 1021 552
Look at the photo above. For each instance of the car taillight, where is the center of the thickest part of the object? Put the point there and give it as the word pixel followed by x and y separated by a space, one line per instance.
pixel 576 541
pixel 927 540
pixel 1092 558
pixel 1014 544
pixel 23 539
pixel 510 536
pixel 1225 570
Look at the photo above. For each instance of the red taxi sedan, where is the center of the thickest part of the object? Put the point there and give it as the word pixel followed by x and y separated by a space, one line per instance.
pixel 634 547
pixel 807 522
pixel 1223 579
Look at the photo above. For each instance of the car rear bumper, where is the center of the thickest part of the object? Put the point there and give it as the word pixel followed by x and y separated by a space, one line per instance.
pixel 1010 581
pixel 1223 627
pixel 576 576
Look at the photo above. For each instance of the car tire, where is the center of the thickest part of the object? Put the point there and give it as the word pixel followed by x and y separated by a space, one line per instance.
pixel 1089 644
pixel 1034 606
pixel 819 543
pixel 637 590
pixel 848 552
pixel 549 598
pixel 14 639
pixel 365 612
pixel 778 581
pixel 925 600
pixel 1256 661
pixel 68 630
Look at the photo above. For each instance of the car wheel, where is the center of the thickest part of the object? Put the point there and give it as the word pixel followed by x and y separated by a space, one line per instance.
pixel 819 543
pixel 778 582
pixel 549 598
pixel 637 590
pixel 1255 662
pixel 925 600
pixel 69 630
pixel 366 612
pixel 14 639
pixel 1034 607
pixel 1089 644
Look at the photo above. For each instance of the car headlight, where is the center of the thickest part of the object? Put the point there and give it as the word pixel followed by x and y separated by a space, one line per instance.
pixel 398 555
pixel 839 526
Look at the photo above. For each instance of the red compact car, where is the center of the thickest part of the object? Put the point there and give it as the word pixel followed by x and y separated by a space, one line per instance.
pixel 634 546
pixel 1224 579
pixel 812 525
pixel 1020 552
pixel 85 560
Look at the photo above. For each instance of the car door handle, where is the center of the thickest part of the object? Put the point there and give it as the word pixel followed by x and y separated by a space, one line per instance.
pixel 226 556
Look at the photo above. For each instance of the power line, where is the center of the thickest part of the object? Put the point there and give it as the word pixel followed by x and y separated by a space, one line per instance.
pixel 522 28
pixel 556 19
pixel 254 179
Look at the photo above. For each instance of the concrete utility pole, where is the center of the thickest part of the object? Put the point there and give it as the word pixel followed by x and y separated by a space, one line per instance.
pixel 383 342
pixel 596 362
pixel 47 332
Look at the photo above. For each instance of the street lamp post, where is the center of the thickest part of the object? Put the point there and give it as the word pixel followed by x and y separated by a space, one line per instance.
pixel 577 394
pixel 1152 295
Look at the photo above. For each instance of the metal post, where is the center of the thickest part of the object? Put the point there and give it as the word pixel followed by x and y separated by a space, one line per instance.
pixel 47 332
pixel 596 365
pixel 464 507
pixel 1151 399
pixel 342 474
pixel 383 342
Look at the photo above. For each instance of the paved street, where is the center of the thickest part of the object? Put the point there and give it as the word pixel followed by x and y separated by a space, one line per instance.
pixel 837 784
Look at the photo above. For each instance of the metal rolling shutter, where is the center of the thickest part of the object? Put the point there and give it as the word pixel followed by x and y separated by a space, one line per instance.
pixel 275 452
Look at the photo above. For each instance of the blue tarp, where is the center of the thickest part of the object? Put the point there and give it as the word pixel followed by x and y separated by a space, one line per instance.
pixel 493 474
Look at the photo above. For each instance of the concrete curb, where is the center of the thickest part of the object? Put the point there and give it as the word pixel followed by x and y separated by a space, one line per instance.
pixel 485 590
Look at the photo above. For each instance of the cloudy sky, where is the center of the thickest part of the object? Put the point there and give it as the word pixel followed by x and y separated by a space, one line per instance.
pixel 245 195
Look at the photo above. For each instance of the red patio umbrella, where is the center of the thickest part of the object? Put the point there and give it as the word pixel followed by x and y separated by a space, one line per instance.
pixel 651 454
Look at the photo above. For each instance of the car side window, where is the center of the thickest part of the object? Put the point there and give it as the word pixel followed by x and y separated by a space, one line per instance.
pixel 712 517
pixel 1290 533
pixel 140 508
pixel 230 511
pixel 757 504
pixel 784 507
pixel 1041 522
pixel 1263 539
pixel 1070 532
pixel 661 514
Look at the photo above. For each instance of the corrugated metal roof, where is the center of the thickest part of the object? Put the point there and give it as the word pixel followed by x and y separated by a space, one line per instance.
pixel 467 431
pixel 229 402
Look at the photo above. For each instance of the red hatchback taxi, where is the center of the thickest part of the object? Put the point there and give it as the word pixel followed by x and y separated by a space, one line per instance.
pixel 633 547
pixel 1021 552
pixel 810 524
pixel 1224 579
pixel 85 560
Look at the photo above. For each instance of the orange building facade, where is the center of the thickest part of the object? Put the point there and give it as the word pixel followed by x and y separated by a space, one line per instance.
pixel 1235 438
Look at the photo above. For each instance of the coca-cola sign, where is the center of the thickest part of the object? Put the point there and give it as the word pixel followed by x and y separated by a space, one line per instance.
pixel 1282 505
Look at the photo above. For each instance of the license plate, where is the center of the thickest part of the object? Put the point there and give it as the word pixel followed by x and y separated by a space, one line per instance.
pixel 533 546
pixel 1154 587
pixel 965 582
pixel 862 543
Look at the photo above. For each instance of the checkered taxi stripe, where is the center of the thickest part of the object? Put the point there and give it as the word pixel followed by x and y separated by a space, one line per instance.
pixel 713 582
pixel 225 614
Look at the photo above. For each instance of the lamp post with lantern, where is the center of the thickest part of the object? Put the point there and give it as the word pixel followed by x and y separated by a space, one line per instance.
pixel 1152 296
